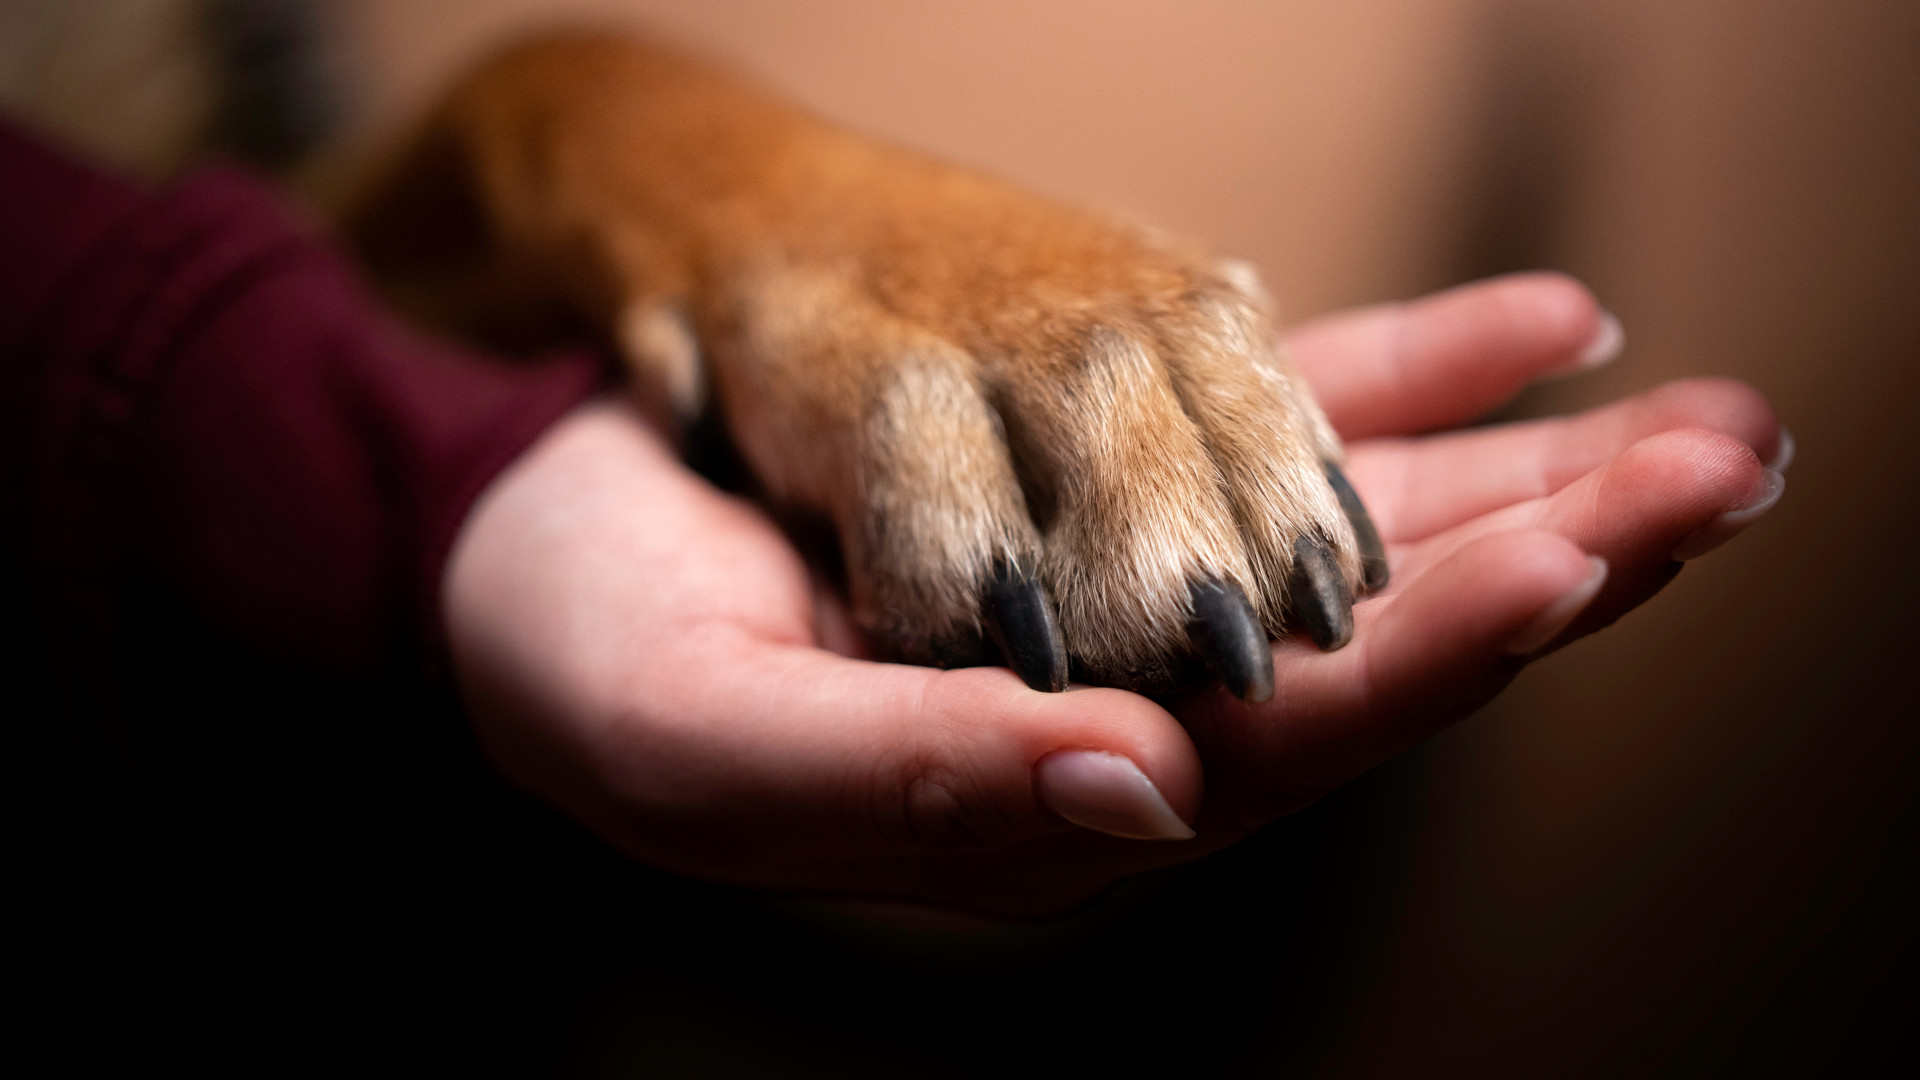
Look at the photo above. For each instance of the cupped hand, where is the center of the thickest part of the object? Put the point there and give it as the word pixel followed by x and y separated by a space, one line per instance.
pixel 651 655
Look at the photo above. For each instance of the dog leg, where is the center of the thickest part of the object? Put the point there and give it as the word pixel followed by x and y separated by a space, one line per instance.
pixel 1036 430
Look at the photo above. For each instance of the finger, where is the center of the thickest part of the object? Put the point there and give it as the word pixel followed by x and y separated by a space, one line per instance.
pixel 1420 660
pixel 782 755
pixel 1420 487
pixel 1398 369
pixel 1637 511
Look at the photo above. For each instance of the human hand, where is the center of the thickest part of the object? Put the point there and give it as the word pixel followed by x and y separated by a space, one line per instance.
pixel 651 655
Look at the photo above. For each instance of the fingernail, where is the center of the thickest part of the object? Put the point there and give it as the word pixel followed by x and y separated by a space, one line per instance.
pixel 1726 526
pixel 1783 456
pixel 1557 616
pixel 1605 346
pixel 1106 793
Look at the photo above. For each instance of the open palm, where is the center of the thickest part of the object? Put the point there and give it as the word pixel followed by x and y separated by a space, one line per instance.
pixel 651 655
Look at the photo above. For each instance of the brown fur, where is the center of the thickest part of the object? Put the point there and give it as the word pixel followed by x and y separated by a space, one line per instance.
pixel 954 371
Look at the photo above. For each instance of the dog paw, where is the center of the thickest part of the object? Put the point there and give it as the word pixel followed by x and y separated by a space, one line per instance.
pixel 1041 435
pixel 1045 439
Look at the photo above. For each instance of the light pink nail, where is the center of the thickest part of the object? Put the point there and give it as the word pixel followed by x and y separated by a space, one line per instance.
pixel 1726 526
pixel 1557 616
pixel 1605 347
pixel 1107 793
pixel 1782 457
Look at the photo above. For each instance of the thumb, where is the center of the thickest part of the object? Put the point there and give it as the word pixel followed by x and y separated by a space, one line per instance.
pixel 776 753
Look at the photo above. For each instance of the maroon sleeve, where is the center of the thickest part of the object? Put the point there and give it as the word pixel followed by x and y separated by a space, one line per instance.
pixel 196 396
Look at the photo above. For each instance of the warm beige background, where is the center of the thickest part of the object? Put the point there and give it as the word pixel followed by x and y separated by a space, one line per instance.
pixel 1688 842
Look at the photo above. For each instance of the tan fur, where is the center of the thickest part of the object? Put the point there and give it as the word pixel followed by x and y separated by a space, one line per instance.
pixel 956 372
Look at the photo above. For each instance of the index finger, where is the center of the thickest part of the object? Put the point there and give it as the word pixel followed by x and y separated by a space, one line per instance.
pixel 1398 369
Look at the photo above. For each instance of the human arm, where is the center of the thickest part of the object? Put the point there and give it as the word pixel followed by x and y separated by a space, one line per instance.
pixel 202 407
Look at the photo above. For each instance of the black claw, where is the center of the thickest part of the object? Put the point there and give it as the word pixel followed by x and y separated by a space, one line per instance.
pixel 1020 618
pixel 1319 594
pixel 1373 553
pixel 1228 634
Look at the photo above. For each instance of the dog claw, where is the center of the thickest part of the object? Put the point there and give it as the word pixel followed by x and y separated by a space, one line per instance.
pixel 1020 618
pixel 1373 554
pixel 1228 634
pixel 1319 594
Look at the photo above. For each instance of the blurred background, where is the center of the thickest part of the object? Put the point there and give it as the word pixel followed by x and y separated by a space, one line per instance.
pixel 1687 847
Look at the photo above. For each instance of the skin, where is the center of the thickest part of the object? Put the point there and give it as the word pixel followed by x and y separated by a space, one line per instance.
pixel 651 655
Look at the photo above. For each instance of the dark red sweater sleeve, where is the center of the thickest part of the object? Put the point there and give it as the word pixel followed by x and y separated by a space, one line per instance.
pixel 197 397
